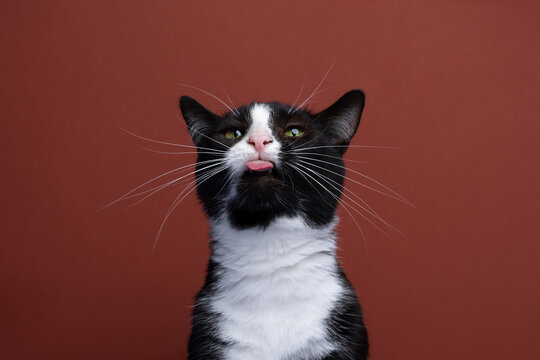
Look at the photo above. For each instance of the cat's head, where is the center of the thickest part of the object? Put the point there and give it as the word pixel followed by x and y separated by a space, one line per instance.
pixel 266 160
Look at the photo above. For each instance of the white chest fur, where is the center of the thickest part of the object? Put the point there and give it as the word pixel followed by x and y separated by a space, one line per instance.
pixel 276 289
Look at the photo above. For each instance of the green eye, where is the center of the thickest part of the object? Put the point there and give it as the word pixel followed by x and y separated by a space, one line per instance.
pixel 294 132
pixel 233 134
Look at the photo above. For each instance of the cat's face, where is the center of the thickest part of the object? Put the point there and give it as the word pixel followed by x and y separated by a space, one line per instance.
pixel 265 160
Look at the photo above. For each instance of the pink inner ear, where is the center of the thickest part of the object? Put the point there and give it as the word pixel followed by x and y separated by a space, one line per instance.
pixel 259 165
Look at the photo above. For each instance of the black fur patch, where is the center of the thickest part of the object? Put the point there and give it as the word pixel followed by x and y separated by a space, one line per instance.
pixel 203 342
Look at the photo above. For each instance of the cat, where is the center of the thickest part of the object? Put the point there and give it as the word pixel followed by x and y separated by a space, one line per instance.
pixel 269 177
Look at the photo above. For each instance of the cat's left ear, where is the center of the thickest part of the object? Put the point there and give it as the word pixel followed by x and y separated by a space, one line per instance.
pixel 199 120
pixel 342 118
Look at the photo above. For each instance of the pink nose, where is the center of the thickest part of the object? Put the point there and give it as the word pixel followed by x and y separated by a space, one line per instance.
pixel 259 139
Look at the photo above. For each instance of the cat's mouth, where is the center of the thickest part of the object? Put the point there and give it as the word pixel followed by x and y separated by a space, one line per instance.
pixel 260 169
pixel 259 165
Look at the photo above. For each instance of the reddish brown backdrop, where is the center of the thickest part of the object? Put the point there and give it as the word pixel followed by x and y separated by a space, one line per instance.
pixel 453 84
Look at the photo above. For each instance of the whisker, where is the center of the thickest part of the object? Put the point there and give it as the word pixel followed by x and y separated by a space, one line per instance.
pixel 335 157
pixel 181 183
pixel 367 208
pixel 231 174
pixel 337 199
pixel 359 228
pixel 160 187
pixel 230 101
pixel 317 94
pixel 397 197
pixel 317 88
pixel 177 202
pixel 298 96
pixel 303 175
pixel 183 152
pixel 213 162
pixel 207 93
pixel 127 195
pixel 161 142
pixel 208 137
pixel 290 178
pixel 366 218
pixel 345 188
pixel 347 146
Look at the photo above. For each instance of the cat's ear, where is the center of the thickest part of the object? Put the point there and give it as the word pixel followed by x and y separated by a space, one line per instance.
pixel 341 119
pixel 199 120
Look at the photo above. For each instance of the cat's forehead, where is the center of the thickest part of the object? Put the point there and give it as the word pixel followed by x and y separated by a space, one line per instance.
pixel 261 115
pixel 269 114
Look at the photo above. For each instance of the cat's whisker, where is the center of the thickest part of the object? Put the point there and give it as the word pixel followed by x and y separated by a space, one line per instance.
pixel 347 146
pixel 183 152
pixel 208 137
pixel 230 101
pixel 290 178
pixel 129 194
pixel 333 157
pixel 181 184
pixel 317 94
pixel 201 178
pixel 160 187
pixel 227 181
pixel 317 88
pixel 396 197
pixel 180 180
pixel 365 205
pixel 192 186
pixel 302 172
pixel 339 185
pixel 298 96
pixel 179 199
pixel 359 228
pixel 207 93
pixel 373 212
pixel 354 202
pixel 193 180
pixel 162 142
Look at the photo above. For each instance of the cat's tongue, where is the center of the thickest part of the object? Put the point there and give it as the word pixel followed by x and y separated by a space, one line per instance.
pixel 259 165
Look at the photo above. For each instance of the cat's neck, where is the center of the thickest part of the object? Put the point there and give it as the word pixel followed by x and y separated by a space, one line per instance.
pixel 284 243
pixel 276 288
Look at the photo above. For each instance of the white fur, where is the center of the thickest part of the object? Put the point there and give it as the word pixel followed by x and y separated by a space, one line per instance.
pixel 242 152
pixel 260 115
pixel 276 289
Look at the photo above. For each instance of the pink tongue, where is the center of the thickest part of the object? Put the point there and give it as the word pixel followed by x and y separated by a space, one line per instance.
pixel 259 165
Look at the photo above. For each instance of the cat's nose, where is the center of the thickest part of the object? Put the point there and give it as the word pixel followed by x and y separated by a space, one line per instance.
pixel 259 139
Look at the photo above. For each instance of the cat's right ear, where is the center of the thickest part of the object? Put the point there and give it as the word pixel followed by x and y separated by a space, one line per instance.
pixel 342 118
pixel 198 119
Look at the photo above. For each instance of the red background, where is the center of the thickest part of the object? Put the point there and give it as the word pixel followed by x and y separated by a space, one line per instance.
pixel 453 84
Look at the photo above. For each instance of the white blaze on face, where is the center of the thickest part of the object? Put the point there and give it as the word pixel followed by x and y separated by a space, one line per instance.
pixel 242 152
pixel 260 115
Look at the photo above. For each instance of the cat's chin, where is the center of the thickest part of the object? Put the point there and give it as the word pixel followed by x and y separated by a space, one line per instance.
pixel 259 183
pixel 258 200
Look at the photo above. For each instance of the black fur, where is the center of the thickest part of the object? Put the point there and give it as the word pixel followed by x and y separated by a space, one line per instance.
pixel 262 197
pixel 203 342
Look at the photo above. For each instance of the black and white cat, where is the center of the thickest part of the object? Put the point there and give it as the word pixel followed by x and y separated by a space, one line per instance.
pixel 274 289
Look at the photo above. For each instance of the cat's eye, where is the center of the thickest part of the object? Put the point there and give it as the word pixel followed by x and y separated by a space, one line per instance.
pixel 233 134
pixel 294 132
